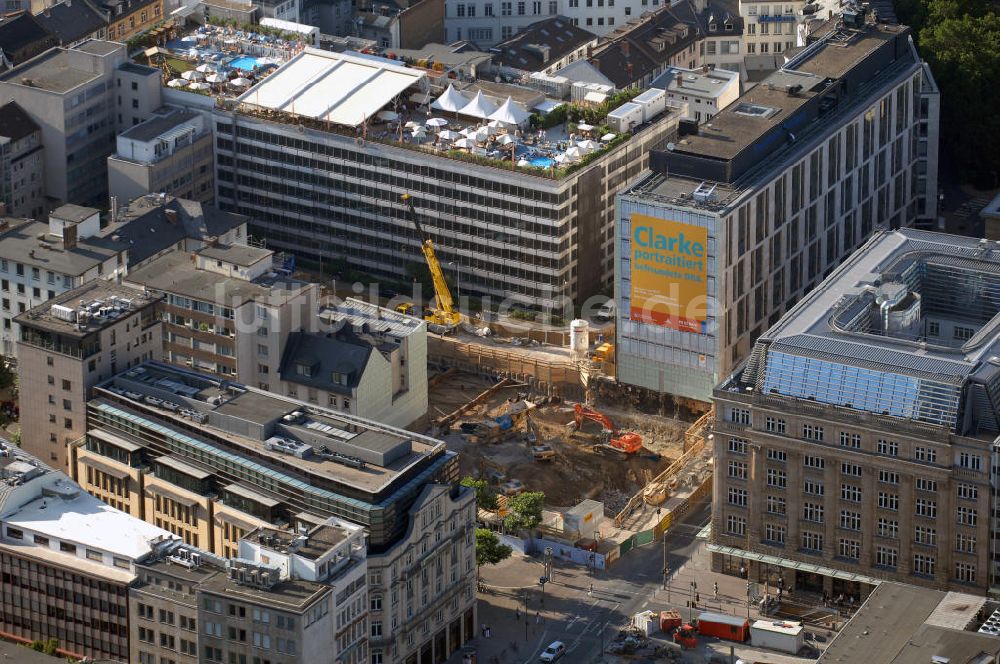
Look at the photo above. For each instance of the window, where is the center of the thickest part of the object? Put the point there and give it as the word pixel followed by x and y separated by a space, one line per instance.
pixel 812 541
pixel 886 557
pixel 852 469
pixel 776 505
pixel 927 454
pixel 376 629
pixel 812 488
pixel 923 564
pixel 968 492
pixel 774 533
pixel 737 497
pixel 924 484
pixel 212 605
pixel 888 528
pixel 739 415
pixel 738 470
pixel 967 516
pixel 927 508
pixel 965 572
pixel 737 446
pixel 850 520
pixel 96 556
pixel 965 543
pixel 735 525
pixel 774 425
pixel 888 501
pixel 813 462
pixel 887 447
pixel 971 461
pixel 777 478
pixel 850 492
pixel 811 432
pixel 848 548
pixel 888 477
pixel 924 535
pixel 777 455
pixel 812 512
pixel 16 533
pixel 851 440
pixel 262 641
pixel 962 333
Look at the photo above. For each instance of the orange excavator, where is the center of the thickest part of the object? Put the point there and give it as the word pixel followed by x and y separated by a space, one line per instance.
pixel 614 441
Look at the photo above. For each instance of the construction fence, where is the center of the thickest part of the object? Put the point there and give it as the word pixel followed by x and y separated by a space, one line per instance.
pixel 675 515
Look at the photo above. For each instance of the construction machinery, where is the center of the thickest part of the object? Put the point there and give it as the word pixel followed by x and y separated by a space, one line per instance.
pixel 443 313
pixel 686 636
pixel 612 440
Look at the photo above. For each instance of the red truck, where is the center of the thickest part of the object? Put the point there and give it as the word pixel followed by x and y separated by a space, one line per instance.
pixel 722 626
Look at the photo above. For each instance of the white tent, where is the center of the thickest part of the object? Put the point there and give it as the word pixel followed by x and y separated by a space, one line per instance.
pixel 480 107
pixel 510 113
pixel 452 100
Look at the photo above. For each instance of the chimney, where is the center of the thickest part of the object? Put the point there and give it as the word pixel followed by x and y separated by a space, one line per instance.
pixel 679 77
pixel 171 216
pixel 114 210
pixel 69 236
pixel 625 49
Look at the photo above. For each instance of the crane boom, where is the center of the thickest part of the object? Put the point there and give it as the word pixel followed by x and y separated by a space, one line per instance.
pixel 444 313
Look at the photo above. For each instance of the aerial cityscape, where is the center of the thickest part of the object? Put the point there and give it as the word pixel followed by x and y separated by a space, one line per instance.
pixel 500 332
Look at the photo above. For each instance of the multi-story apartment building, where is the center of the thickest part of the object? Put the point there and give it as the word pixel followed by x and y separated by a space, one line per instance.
pixel 73 23
pixel 267 460
pixel 22 38
pixel 315 186
pixel 39 261
pixel 858 442
pixel 285 597
pixel 66 347
pixel 169 153
pixel 365 360
pixel 544 46
pixel 786 181
pixel 67 561
pixel 22 163
pixel 80 97
pixel 226 310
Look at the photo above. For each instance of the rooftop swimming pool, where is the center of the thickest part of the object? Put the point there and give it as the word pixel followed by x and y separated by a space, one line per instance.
pixel 244 62
pixel 542 162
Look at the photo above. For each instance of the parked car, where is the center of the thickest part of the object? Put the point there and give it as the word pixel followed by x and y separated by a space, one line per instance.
pixel 555 650
pixel 606 312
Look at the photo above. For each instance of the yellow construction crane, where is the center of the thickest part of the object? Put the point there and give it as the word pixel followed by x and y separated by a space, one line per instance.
pixel 444 313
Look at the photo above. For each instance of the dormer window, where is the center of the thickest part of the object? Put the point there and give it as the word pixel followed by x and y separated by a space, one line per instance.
pixel 340 378
pixel 712 27
pixel 729 26
pixel 304 370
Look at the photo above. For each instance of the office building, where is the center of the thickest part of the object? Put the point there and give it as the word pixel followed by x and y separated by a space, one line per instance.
pixel 320 184
pixel 22 163
pixel 67 561
pixel 785 182
pixel 855 443
pixel 772 27
pixel 365 360
pixel 169 153
pixel 901 624
pixel 22 38
pixel 226 310
pixel 39 261
pixel 79 97
pixel 67 345
pixel 164 431
pixel 284 597
pixel 706 91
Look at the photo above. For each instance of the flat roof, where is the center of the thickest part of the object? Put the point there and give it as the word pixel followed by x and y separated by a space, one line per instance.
pixel 70 562
pixel 100 290
pixel 30 243
pixel 175 273
pixel 88 522
pixel 99 46
pixel 316 427
pixel 380 320
pixel 334 87
pixel 242 255
pixel 709 84
pixel 287 595
pixel 158 125
pixel 53 71
pixel 72 212
pixel 182 466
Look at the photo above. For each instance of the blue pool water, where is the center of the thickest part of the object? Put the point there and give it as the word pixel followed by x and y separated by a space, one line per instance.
pixel 244 62
pixel 541 162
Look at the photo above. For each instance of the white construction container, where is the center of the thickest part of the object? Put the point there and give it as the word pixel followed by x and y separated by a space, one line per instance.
pixel 645 622
pixel 579 336
pixel 782 635
pixel 584 519
pixel 625 118
pixel 653 102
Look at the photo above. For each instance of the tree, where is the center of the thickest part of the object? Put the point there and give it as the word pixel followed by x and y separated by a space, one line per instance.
pixel 489 549
pixel 486 497
pixel 525 511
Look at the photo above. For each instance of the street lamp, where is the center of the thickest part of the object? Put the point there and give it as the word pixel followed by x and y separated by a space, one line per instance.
pixel 542 581
pixel 748 599
pixel 694 589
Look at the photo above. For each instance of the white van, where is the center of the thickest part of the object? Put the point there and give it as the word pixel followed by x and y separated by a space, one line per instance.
pixel 606 312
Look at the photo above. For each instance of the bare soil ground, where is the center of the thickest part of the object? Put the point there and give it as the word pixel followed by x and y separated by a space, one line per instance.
pixel 577 472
